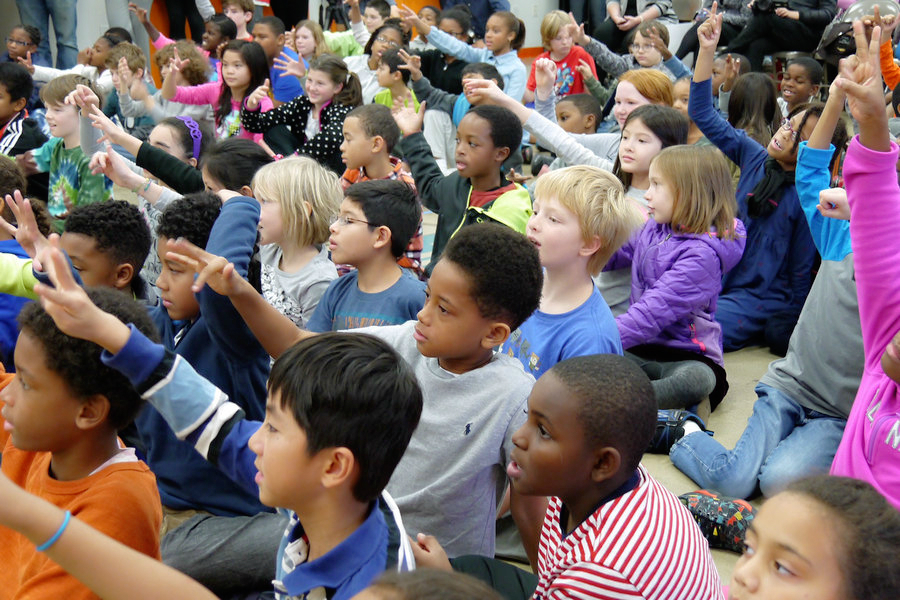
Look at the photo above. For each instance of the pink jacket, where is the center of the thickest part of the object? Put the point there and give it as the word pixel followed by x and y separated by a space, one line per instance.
pixel 208 93
pixel 870 448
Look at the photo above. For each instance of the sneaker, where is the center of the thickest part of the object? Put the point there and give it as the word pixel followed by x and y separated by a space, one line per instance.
pixel 670 429
pixel 722 520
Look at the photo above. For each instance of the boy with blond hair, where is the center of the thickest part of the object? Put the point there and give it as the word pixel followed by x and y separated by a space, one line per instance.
pixel 581 217
pixel 127 64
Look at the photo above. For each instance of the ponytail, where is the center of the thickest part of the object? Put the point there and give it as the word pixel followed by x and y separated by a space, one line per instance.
pixel 514 24
pixel 336 69
pixel 351 94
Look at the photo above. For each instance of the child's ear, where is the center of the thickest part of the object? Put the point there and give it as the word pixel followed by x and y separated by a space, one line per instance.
pixel 92 412
pixel 589 248
pixel 193 162
pixel 139 74
pixel 340 465
pixel 496 335
pixel 124 275
pixel 607 462
pixel 378 144
pixel 501 154
pixel 815 91
pixel 384 237
pixel 19 104
pixel 590 121
pixel 246 191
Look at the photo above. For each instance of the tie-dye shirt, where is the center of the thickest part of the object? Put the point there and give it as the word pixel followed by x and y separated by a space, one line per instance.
pixel 70 177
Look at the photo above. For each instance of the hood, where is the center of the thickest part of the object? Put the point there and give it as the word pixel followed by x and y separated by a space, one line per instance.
pixel 729 251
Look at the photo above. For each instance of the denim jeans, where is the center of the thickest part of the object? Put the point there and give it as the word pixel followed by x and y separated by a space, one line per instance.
pixel 63 13
pixel 782 442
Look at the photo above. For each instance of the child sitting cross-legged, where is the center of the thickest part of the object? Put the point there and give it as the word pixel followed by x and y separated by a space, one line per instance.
pixel 376 221
pixel 611 530
pixel 370 135
pixel 339 415
pixel 62 412
pixel 451 478
pixel 477 191
pixel 581 217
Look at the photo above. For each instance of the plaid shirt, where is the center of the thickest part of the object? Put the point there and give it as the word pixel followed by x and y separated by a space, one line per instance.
pixel 412 258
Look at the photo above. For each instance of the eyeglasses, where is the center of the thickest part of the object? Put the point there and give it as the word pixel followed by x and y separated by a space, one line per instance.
pixel 788 126
pixel 343 221
pixel 387 42
pixel 457 34
pixel 641 47
pixel 18 43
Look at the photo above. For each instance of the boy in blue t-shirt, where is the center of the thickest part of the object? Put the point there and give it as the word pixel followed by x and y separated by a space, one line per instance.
pixel 581 217
pixel 376 222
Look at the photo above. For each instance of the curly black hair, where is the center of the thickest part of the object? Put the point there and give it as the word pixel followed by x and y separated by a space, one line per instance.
pixel 190 217
pixel 503 268
pixel 506 129
pixel 78 362
pixel 117 228
pixel 617 403
pixel 17 81
pixel 11 177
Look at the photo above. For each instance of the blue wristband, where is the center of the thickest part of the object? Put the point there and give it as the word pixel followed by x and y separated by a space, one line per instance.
pixel 46 545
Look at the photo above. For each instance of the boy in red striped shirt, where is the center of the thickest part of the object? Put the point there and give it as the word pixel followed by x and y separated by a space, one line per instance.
pixel 611 530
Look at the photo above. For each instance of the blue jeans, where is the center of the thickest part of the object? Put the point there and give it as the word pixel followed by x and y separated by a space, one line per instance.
pixel 782 442
pixel 38 13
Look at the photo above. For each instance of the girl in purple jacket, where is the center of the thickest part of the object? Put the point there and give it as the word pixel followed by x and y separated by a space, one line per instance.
pixel 677 262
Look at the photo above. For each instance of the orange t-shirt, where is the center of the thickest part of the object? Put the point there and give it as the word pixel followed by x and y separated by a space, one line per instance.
pixel 121 500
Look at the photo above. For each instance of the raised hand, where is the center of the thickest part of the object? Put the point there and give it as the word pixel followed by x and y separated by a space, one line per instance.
pixel 138 90
pixel 833 204
pixel 212 270
pixel 111 132
pixel 585 70
pixel 109 163
pixel 411 19
pixel 860 77
pixel 140 12
pixel 412 63
pixel 290 39
pixel 25 229
pixel 26 62
pixel 544 77
pixel 708 34
pixel 485 90
pixel 257 96
pixel 176 63
pixel 659 44
pixel 408 119
pixel 732 72
pixel 84 98
pixel 289 66
pixel 126 76
pixel 576 30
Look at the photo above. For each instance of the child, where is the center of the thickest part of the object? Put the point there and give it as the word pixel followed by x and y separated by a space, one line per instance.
pixel 558 47
pixel 127 64
pixel 365 66
pixel 799 83
pixel 62 413
pixel 477 191
pixel 579 113
pixel 375 14
pixel 430 15
pixel 487 283
pixel 395 81
pixel 830 537
pixel 244 69
pixel 677 263
pixel 268 32
pixel 444 71
pixel 377 219
pixel 315 120
pixel 775 273
pixel 345 401
pixel 682 93
pixel 648 49
pixel 137 100
pixel 21 46
pixel 71 182
pixel 868 450
pixel 19 133
pixel 370 135
pixel 219 30
pixel 91 64
pixel 595 414
pixel 505 34
pixel 580 219
pixel 299 199
pixel 241 13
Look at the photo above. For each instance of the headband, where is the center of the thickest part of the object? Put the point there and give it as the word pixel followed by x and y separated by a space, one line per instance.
pixel 194 129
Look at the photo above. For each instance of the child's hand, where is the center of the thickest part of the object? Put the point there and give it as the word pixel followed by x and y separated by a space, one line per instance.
pixel 290 39
pixel 26 62
pixel 860 77
pixel 659 44
pixel 176 63
pixel 220 49
pixel 576 30
pixel 27 163
pixel 484 90
pixel 214 271
pixel 429 553
pixel 111 132
pixel 25 230
pixel 253 100
pixel 84 98
pixel 407 118
pixel 126 75
pixel 732 72
pixel 708 33
pixel 584 69
pixel 516 178
pixel 833 204
pixel 412 63
pixel 109 163
pixel 140 12
pixel 285 63
pixel 887 24
pixel 544 77
pixel 138 90
pixel 411 19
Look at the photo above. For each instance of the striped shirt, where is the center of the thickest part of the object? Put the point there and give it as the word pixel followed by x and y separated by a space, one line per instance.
pixel 642 544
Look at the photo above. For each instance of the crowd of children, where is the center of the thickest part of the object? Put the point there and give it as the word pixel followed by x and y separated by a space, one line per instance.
pixel 259 375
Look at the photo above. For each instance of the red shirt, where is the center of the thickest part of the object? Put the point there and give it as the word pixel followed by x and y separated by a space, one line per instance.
pixel 568 80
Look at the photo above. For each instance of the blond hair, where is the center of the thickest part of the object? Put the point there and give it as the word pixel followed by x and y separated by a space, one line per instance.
pixel 597 198
pixel 134 56
pixel 316 30
pixel 551 24
pixel 309 194
pixel 702 189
